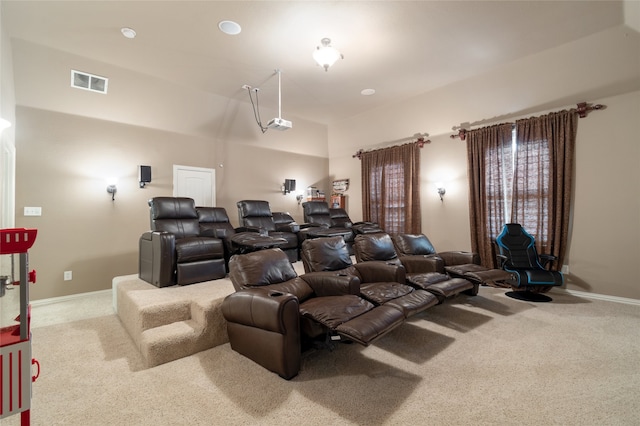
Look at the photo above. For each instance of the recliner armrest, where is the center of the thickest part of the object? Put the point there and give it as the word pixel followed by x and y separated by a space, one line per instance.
pixel 331 283
pixel 421 263
pixel 157 258
pixel 459 257
pixel 288 227
pixel 381 271
pixel 264 326
pixel 260 307
pixel 258 229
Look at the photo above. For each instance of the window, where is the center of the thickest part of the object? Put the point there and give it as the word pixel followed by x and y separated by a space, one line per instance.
pixel 390 188
pixel 518 168
pixel 522 174
pixel 387 196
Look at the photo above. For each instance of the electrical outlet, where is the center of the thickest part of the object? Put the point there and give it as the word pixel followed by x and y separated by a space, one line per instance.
pixel 68 275
pixel 565 269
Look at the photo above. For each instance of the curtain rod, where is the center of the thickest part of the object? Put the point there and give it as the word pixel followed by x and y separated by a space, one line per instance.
pixel 583 108
pixel 420 141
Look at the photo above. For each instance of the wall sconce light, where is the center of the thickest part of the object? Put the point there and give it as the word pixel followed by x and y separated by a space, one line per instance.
pixel 441 192
pixel 112 188
pixel 288 186
pixel 299 198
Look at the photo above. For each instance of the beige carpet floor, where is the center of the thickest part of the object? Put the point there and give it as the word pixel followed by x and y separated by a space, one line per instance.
pixel 484 360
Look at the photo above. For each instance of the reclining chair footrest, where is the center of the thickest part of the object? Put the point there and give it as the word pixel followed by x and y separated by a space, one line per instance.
pixel 414 302
pixel 371 325
pixel 480 274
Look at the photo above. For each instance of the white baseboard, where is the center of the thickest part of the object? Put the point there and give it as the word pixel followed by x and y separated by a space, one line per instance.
pixel 587 295
pixel 41 302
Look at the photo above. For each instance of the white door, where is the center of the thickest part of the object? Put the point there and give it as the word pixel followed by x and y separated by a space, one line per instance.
pixel 195 182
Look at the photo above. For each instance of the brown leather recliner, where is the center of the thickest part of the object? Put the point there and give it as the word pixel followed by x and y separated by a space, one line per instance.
pixel 214 222
pixel 256 215
pixel 422 270
pixel 380 282
pixel 318 223
pixel 275 313
pixel 340 218
pixel 173 252
pixel 419 245
pixel 461 264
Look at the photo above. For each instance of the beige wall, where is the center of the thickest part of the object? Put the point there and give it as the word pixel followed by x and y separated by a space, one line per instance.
pixel 64 160
pixel 70 141
pixel 604 246
pixel 605 242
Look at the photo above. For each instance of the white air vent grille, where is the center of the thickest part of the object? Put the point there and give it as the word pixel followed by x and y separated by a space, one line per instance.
pixel 86 81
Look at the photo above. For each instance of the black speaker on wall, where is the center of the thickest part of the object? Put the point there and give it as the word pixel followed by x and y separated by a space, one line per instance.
pixel 289 186
pixel 144 175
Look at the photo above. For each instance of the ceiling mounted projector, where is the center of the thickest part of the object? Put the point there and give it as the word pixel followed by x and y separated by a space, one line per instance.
pixel 279 124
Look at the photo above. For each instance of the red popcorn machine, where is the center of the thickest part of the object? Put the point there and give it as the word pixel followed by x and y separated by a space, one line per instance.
pixel 15 333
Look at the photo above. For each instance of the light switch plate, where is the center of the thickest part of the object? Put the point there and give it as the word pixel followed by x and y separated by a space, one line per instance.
pixel 33 211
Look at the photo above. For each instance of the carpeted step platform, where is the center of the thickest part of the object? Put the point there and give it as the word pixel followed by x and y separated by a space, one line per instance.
pixel 171 322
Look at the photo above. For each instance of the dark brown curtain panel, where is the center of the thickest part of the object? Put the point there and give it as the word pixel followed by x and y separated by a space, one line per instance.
pixel 391 188
pixel 544 179
pixel 490 169
pixel 526 179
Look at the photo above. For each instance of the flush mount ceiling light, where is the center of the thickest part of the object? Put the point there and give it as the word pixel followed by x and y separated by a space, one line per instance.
pixel 229 27
pixel 326 55
pixel 128 32
pixel 368 92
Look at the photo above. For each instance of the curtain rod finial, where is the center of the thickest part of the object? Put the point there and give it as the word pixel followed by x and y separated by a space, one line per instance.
pixel 584 108
pixel 462 134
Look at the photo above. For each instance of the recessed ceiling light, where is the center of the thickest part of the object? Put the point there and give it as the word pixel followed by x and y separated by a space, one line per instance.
pixel 128 32
pixel 368 92
pixel 229 27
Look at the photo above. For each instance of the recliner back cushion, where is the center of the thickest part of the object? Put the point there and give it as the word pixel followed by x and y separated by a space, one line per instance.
pixel 340 218
pixel 374 247
pixel 255 213
pixel 259 268
pixel 413 244
pixel 214 222
pixel 282 218
pixel 176 215
pixel 325 254
pixel 317 213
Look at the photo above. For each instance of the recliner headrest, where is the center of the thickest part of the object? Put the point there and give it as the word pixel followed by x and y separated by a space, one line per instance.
pixel 312 208
pixel 172 208
pixel 374 247
pixel 253 208
pixel 413 244
pixel 325 254
pixel 263 267
pixel 212 215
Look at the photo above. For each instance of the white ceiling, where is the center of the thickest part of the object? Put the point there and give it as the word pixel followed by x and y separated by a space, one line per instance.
pixel 398 48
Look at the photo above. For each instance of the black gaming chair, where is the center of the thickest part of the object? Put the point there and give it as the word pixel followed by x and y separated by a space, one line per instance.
pixel 518 256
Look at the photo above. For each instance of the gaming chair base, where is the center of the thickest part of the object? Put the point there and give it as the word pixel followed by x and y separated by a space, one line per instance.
pixel 528 296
